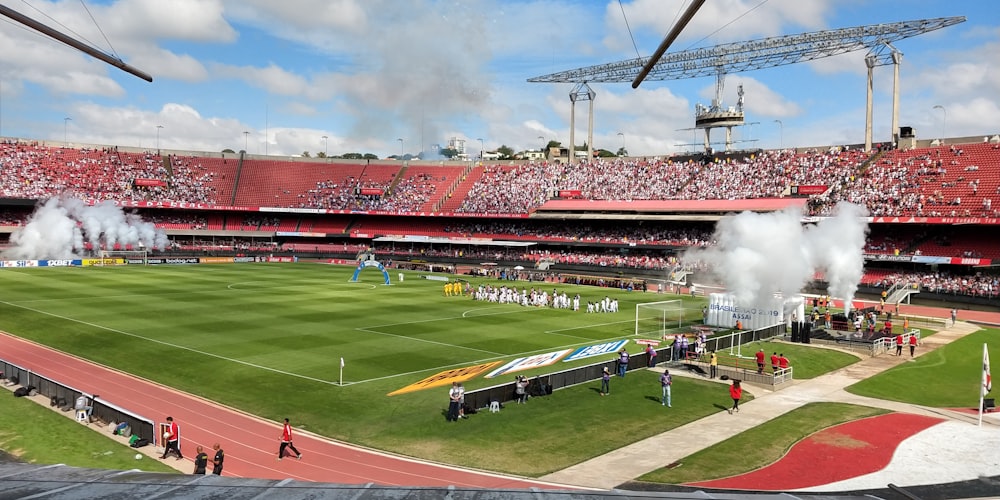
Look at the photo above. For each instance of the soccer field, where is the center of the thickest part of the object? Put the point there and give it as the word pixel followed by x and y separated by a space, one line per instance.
pixel 268 338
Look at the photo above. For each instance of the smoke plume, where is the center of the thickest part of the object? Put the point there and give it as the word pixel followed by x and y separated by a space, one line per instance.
pixel 60 228
pixel 758 254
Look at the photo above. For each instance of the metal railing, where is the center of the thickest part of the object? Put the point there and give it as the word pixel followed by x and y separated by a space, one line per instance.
pixel 544 384
pixel 66 395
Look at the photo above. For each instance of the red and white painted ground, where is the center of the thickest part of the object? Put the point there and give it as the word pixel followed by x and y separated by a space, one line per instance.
pixel 831 455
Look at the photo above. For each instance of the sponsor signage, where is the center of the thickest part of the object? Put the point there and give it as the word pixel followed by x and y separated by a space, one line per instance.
pixel 970 261
pixel 809 189
pixel 180 204
pixel 935 220
pixel 216 260
pixel 19 263
pixel 446 378
pixel 595 350
pixel 105 262
pixel 59 263
pixel 570 193
pixel 927 259
pixel 290 210
pixel 300 233
pixel 158 261
pixel 242 259
pixel 521 364
pixel 885 257
pixel 372 192
pixel 651 342
pixel 282 259
pixel 149 182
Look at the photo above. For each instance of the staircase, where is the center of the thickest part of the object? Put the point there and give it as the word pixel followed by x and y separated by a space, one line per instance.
pixel 454 200
pixel 901 293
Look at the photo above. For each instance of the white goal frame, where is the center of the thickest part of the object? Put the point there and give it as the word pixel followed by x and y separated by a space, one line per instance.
pixel 657 318
pixel 108 257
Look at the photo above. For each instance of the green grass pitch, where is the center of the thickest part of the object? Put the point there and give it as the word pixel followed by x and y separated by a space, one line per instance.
pixel 268 338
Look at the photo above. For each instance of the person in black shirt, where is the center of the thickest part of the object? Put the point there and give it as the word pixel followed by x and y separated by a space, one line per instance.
pixel 200 461
pixel 217 461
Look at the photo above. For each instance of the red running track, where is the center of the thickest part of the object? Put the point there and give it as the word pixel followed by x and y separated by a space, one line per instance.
pixel 834 454
pixel 250 443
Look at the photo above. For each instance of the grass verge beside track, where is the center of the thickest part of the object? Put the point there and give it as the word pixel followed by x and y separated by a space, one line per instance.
pixel 34 434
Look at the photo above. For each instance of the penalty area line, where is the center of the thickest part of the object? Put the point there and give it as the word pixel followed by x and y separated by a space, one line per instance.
pixel 175 346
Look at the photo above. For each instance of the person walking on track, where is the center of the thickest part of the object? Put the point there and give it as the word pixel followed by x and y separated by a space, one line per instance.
pixel 286 442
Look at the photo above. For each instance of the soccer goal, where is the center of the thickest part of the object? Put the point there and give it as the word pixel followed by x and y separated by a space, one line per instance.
pixel 123 257
pixel 656 319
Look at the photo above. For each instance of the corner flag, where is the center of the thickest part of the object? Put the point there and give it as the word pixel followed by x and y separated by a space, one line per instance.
pixel 342 362
pixel 987 379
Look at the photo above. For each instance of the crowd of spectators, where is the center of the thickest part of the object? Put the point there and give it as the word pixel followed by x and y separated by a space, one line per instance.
pixel 179 220
pixel 637 233
pixel 34 171
pixel 191 181
pixel 926 182
pixel 976 285
pixel 520 188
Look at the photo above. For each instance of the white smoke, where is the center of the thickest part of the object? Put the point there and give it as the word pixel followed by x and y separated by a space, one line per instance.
pixel 60 227
pixel 758 254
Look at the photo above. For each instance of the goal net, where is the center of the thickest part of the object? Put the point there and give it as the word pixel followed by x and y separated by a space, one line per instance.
pixel 656 319
pixel 123 257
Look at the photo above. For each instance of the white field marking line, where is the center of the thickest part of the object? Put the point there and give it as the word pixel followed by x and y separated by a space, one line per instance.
pixel 445 344
pixel 185 348
pixel 447 318
pixel 593 325
pixel 466 314
pixel 369 329
pixel 104 297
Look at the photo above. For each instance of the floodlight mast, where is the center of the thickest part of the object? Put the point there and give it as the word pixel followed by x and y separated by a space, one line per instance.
pixel 72 42
pixel 751 55
pixel 762 53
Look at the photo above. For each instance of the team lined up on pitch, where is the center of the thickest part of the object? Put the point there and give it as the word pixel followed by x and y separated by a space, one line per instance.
pixel 533 297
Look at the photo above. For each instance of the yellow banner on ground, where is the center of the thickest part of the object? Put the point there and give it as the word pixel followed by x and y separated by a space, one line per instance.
pixel 446 378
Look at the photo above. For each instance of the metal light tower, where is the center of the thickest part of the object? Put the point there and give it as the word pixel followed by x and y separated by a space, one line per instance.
pixel 158 127
pixel 758 54
pixel 65 130
pixel 944 121
pixel 581 92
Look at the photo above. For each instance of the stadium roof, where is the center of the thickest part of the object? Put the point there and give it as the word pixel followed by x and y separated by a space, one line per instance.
pixel 754 54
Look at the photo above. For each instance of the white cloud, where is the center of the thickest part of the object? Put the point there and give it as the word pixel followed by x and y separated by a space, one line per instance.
pixel 772 18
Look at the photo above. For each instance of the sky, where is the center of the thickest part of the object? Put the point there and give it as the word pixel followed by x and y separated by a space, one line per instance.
pixel 401 76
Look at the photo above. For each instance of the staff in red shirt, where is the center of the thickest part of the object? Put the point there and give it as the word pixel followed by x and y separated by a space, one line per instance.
pixel 774 362
pixel 172 438
pixel 286 442
pixel 735 392
pixel 760 360
pixel 783 362
pixel 913 344
pixel 899 344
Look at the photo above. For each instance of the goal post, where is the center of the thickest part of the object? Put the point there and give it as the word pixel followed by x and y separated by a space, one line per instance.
pixel 123 257
pixel 657 319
